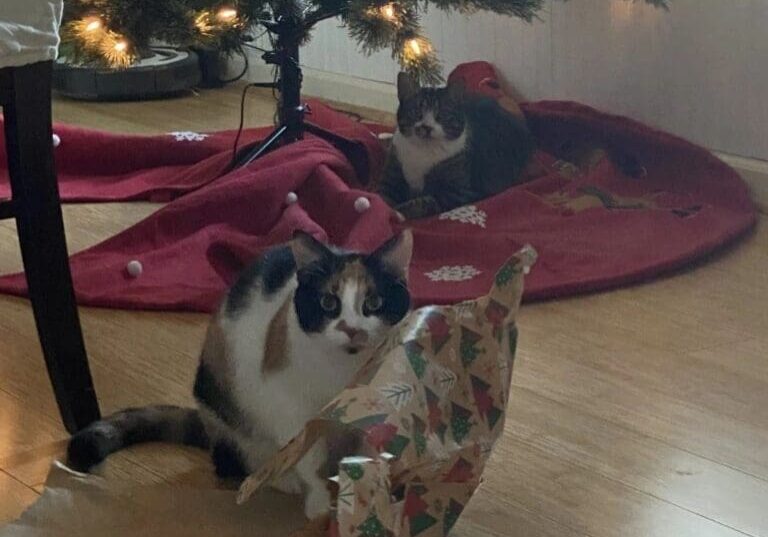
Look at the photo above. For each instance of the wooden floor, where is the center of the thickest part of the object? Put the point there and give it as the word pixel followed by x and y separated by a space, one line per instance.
pixel 639 412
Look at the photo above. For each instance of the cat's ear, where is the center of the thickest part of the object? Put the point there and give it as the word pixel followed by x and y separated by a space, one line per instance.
pixel 407 86
pixel 456 90
pixel 307 249
pixel 395 254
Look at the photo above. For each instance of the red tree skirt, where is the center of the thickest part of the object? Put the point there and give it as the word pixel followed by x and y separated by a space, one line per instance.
pixel 594 227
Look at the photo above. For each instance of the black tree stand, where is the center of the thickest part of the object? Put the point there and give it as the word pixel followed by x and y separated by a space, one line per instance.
pixel 291 113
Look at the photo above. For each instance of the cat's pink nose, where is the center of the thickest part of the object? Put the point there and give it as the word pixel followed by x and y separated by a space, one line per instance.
pixel 355 335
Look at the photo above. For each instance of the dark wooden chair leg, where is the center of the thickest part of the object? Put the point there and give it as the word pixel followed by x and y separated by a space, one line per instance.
pixel 36 205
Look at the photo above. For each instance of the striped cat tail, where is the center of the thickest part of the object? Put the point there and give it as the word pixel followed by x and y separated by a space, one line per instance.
pixel 171 424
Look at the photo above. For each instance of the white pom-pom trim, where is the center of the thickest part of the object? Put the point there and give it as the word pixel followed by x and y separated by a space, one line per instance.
pixel 291 198
pixel 134 268
pixel 56 140
pixel 362 204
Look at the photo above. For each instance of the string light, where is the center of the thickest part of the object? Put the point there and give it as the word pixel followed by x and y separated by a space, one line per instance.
pixel 208 23
pixel 418 54
pixel 90 31
pixel 415 46
pixel 116 51
pixel 93 25
pixel 203 23
pixel 226 14
pixel 388 12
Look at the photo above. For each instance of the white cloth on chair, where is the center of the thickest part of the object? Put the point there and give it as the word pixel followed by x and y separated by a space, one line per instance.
pixel 29 31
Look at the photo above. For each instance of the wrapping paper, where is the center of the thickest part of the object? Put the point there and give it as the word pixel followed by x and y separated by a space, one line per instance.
pixel 90 506
pixel 363 501
pixel 429 406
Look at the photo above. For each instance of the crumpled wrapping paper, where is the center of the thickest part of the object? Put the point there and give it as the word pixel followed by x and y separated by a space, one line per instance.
pixel 91 506
pixel 429 406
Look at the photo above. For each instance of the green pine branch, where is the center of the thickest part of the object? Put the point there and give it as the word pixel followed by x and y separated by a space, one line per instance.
pixel 174 21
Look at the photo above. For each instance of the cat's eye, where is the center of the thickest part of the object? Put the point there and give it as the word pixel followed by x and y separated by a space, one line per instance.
pixel 373 303
pixel 329 302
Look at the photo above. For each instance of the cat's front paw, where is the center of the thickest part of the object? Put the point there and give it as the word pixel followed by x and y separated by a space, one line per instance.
pixel 317 502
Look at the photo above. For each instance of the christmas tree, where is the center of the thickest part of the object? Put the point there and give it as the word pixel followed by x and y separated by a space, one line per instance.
pixel 117 33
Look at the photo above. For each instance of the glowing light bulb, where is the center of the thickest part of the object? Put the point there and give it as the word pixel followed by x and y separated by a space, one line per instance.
pixel 416 50
pixel 116 50
pixel 388 12
pixel 203 22
pixel 226 14
pixel 93 25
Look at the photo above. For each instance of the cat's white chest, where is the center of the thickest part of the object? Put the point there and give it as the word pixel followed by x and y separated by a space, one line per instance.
pixel 418 156
pixel 280 403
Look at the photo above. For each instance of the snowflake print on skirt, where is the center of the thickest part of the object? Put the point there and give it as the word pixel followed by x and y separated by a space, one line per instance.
pixel 456 273
pixel 469 214
pixel 188 136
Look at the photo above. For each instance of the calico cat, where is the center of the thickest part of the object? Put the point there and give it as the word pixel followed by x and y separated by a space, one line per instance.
pixel 289 336
pixel 450 149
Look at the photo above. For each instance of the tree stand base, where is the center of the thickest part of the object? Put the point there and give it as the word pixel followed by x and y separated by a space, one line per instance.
pixel 168 71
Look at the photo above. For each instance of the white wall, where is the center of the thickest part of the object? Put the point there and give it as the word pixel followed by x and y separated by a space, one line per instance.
pixel 700 70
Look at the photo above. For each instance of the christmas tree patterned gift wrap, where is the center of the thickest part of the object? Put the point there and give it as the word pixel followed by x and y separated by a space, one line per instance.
pixel 363 502
pixel 432 400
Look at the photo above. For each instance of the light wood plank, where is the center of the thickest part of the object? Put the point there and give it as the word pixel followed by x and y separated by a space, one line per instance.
pixel 747 358
pixel 589 503
pixel 15 498
pixel 85 224
pixel 581 377
pixel 642 463
pixel 493 514
pixel 205 110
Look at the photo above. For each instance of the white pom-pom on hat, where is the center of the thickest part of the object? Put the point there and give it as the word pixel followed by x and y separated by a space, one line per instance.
pixel 291 198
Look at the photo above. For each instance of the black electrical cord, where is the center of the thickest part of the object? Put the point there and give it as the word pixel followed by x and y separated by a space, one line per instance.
pixel 275 79
pixel 242 119
pixel 250 42
pixel 243 72
pixel 244 55
pixel 255 47
pixel 354 116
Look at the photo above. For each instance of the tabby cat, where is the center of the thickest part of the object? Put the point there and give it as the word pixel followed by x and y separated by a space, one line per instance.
pixel 289 336
pixel 451 149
